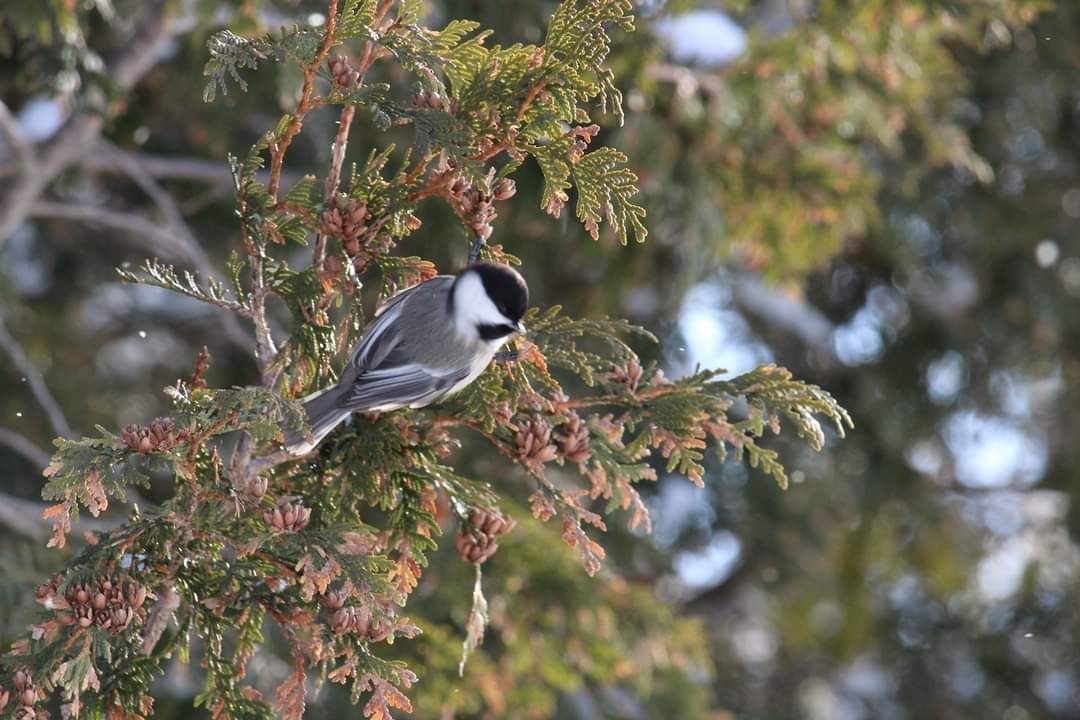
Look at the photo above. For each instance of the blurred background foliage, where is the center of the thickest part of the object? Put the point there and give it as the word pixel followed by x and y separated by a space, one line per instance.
pixel 882 196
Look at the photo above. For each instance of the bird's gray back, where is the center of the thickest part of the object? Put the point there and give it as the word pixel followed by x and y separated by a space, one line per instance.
pixel 425 313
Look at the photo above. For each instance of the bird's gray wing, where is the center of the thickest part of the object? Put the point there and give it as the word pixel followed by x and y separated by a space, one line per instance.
pixel 381 336
pixel 399 385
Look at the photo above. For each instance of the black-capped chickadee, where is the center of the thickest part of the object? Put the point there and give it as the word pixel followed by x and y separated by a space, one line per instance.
pixel 426 343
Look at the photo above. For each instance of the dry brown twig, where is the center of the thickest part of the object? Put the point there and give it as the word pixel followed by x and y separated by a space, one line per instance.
pixel 308 102
pixel 370 53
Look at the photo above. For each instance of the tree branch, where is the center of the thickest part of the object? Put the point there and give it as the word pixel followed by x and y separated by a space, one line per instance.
pixel 333 177
pixel 77 136
pixel 307 103
pixel 25 447
pixel 23 517
pixel 22 151
pixel 341 139
pixel 265 351
pixel 36 382
pixel 162 242
pixel 184 235
pixel 167 603
pixel 790 315
pixel 166 167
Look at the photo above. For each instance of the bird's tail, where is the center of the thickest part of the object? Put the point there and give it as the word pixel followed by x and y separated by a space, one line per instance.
pixel 324 413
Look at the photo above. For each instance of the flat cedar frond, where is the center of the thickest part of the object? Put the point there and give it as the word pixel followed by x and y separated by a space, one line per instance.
pixel 605 188
pixel 87 472
pixel 230 53
pixel 355 18
pixel 401 273
pixel 578 43
pixel 565 342
pixel 258 410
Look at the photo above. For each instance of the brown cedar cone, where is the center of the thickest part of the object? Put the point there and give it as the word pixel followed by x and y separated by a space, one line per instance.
pixel 331 222
pixel 344 74
pixel 381 629
pixel 288 516
pixel 105 604
pixel 573 439
pixel 335 599
pixel 25 693
pixel 532 442
pixel 354 218
pixel 159 436
pixel 502 412
pixel 477 209
pixel 505 189
pixel 628 375
pixel 477 540
pixel 425 99
pixel 358 620
pixel 255 486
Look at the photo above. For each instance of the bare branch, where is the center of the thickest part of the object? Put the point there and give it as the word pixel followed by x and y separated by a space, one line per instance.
pixel 162 242
pixel 341 139
pixel 25 447
pixel 164 167
pixel 168 602
pixel 77 136
pixel 164 202
pixel 37 384
pixel 333 177
pixel 308 102
pixel 166 244
pixel 23 517
pixel 265 351
pixel 266 462
pixel 20 148
pixel 184 235
pixel 788 314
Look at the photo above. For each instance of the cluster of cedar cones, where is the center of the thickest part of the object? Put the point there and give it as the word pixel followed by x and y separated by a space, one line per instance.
pixel 355 619
pixel 160 435
pixel 109 604
pixel 27 695
pixel 287 516
pixel 477 540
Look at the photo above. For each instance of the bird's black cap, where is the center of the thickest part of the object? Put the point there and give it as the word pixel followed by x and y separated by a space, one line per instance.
pixel 505 287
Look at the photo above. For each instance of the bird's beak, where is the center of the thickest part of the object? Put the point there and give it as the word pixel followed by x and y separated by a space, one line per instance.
pixel 520 327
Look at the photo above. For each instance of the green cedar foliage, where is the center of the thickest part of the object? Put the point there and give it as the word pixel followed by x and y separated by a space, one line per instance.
pixel 329 547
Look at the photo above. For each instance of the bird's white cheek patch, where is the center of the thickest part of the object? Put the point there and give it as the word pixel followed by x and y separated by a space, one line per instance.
pixel 473 307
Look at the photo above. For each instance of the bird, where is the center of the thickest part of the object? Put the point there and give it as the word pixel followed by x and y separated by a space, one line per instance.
pixel 425 344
